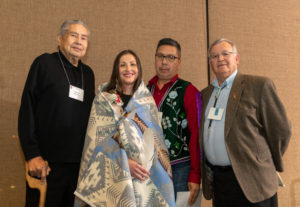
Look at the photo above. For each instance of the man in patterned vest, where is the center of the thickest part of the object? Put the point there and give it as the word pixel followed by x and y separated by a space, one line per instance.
pixel 179 102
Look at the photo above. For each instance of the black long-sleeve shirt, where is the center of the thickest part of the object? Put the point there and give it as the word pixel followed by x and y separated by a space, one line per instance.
pixel 51 124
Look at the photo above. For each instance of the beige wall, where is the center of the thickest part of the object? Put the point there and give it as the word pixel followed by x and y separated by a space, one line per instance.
pixel 29 28
pixel 266 32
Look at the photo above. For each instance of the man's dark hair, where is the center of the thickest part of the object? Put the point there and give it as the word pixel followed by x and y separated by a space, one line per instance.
pixel 171 42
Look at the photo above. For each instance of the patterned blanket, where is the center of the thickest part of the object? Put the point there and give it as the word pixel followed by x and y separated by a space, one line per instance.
pixel 112 137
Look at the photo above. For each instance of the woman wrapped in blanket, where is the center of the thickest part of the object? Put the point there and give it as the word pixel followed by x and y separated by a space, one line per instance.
pixel 125 161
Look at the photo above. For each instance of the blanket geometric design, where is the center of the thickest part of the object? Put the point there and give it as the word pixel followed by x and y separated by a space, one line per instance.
pixel 112 137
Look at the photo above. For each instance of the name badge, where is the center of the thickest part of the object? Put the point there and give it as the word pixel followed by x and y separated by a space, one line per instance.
pixel 215 113
pixel 76 93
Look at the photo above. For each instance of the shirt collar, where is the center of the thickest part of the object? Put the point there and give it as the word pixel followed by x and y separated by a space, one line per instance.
pixel 155 79
pixel 227 82
pixel 66 62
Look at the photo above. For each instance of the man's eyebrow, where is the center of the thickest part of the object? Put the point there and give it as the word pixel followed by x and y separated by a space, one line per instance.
pixel 78 34
pixel 165 54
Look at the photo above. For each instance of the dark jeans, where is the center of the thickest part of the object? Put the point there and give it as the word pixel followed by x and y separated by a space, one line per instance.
pixel 180 176
pixel 228 193
pixel 61 184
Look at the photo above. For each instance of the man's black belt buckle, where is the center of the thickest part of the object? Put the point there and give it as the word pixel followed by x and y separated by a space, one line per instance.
pixel 218 167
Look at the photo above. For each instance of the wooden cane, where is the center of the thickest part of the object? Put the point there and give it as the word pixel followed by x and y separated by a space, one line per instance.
pixel 36 183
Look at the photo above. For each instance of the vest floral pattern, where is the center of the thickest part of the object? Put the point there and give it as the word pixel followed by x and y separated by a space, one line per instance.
pixel 174 121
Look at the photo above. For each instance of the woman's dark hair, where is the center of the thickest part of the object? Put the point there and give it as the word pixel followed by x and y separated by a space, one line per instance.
pixel 115 75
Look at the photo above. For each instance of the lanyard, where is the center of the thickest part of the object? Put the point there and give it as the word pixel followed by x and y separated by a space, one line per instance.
pixel 67 74
pixel 218 92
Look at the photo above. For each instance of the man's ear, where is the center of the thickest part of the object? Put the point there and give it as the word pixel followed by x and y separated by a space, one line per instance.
pixel 179 61
pixel 237 59
pixel 58 38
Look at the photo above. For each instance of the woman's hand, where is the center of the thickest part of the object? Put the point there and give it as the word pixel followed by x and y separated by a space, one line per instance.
pixel 137 170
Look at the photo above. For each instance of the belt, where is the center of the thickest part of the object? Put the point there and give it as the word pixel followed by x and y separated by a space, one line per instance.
pixel 218 168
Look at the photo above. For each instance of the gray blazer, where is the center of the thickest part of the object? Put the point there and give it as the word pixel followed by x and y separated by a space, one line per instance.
pixel 257 133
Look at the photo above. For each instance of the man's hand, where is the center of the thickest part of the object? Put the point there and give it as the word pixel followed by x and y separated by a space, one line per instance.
pixel 194 191
pixel 137 170
pixel 38 167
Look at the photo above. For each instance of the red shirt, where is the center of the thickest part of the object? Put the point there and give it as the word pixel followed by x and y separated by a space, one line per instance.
pixel 190 102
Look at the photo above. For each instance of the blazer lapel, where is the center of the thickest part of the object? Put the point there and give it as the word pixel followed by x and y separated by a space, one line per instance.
pixel 205 99
pixel 206 96
pixel 233 101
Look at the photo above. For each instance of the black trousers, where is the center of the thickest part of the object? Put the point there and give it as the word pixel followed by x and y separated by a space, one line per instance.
pixel 228 193
pixel 61 184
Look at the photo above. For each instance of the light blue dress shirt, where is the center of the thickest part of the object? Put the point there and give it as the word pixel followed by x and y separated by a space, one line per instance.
pixel 214 140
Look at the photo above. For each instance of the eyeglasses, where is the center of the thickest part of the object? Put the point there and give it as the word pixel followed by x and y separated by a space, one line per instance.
pixel 169 58
pixel 225 54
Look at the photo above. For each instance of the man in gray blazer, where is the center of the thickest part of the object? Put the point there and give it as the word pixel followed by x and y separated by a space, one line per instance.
pixel 243 134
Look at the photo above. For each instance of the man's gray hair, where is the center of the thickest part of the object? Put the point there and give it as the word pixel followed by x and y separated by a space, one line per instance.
pixel 65 26
pixel 234 49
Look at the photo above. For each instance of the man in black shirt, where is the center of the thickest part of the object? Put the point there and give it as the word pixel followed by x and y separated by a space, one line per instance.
pixel 54 113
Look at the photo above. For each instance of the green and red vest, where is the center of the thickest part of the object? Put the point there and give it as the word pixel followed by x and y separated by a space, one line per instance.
pixel 174 121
